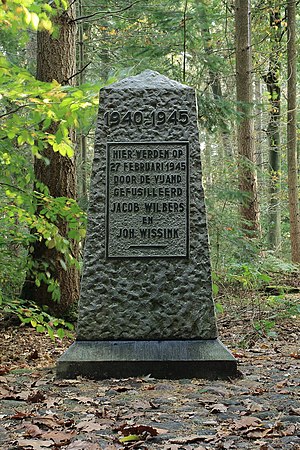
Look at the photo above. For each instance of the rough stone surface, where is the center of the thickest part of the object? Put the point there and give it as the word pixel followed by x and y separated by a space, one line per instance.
pixel 140 298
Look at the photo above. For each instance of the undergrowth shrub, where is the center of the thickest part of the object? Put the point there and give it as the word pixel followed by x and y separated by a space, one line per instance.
pixel 28 313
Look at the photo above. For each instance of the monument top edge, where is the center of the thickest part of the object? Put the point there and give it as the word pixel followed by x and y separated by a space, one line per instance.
pixel 148 79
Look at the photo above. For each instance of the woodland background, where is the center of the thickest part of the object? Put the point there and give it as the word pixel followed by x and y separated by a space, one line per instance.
pixel 241 57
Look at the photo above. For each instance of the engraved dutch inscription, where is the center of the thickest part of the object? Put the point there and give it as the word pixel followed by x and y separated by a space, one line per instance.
pixel 147 206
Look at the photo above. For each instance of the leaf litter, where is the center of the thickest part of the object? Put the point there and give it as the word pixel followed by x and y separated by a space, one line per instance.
pixel 257 411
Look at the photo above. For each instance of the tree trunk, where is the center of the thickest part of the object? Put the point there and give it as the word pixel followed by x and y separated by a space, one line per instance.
pixel 292 133
pixel 245 131
pixel 259 156
pixel 56 61
pixel 214 76
pixel 83 194
pixel 272 81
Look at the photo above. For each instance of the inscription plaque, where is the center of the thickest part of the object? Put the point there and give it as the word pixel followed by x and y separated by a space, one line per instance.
pixel 147 206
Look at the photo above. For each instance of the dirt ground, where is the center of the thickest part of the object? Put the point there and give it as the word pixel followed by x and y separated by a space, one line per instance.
pixel 259 410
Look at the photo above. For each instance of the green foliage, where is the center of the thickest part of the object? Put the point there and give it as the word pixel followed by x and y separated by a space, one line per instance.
pixel 31 14
pixel 30 314
pixel 247 276
pixel 271 263
pixel 33 216
pixel 277 308
pixel 30 107
pixel 286 306
pixel 266 327
pixel 219 308
pixel 215 114
pixel 29 110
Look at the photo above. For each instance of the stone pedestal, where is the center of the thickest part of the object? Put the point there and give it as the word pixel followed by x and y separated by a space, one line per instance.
pixel 162 359
pixel 146 299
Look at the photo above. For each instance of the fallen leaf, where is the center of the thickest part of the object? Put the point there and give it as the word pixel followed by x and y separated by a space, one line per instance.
pixel 289 431
pixel 237 354
pixel 130 438
pixel 259 391
pixel 149 387
pixel 139 430
pixel 84 400
pixel 153 405
pixel 32 430
pixel 20 415
pixel 210 423
pixel 84 445
pixel 121 388
pixel 218 408
pixel 141 404
pixel 63 383
pixel 52 402
pixel 35 445
pixel 112 447
pixel 3 379
pixel 214 390
pixel 4 370
pixel 191 439
pixel 228 445
pixel 252 406
pixel 146 378
pixel 266 446
pixel 36 397
pixel 60 437
pixel 247 421
pixel 48 421
pixel 33 355
pixel 295 411
pixel 88 425
pixel 6 393
pixel 171 447
pixel 257 433
pixel 23 396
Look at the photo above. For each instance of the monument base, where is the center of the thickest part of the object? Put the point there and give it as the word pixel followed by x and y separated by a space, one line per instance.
pixel 171 359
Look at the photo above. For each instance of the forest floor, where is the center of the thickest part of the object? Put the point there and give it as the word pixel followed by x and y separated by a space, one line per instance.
pixel 259 410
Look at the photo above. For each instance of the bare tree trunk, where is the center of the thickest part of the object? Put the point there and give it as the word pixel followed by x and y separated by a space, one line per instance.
pixel 214 78
pixel 272 81
pixel 245 131
pixel 259 157
pixel 56 61
pixel 292 133
pixel 207 162
pixel 82 137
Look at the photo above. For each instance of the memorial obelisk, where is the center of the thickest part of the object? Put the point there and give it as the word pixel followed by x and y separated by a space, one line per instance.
pixel 146 303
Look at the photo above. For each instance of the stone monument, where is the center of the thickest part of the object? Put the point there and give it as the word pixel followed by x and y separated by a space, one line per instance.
pixel 146 302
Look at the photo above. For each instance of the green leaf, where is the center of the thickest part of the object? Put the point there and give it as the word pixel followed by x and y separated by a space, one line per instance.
pixel 131 437
pixel 219 308
pixel 50 243
pixel 50 332
pixel 70 152
pixel 35 21
pixel 11 134
pixel 215 289
pixel 60 333
pixel 63 264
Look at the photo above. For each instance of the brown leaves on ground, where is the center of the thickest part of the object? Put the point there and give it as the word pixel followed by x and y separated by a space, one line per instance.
pixel 259 411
